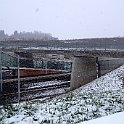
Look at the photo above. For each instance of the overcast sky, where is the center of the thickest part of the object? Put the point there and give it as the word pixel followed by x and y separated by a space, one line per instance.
pixel 65 19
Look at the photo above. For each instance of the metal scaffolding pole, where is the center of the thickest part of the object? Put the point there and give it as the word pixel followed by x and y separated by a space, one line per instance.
pixel 18 79
pixel 46 66
pixel 1 80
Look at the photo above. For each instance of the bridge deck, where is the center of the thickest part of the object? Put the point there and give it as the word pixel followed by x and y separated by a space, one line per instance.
pixel 79 52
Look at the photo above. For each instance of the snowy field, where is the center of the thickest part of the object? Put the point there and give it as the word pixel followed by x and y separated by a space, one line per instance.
pixel 101 97
pixel 117 118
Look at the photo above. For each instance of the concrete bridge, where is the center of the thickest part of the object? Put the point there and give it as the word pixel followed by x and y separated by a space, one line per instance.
pixel 87 65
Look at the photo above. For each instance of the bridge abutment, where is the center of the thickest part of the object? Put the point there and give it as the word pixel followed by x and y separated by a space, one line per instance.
pixel 83 71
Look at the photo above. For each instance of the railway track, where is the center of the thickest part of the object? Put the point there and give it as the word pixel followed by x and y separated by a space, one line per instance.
pixel 30 93
pixel 11 85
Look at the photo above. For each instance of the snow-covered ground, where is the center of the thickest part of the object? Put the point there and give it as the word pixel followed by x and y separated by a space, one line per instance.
pixel 117 118
pixel 101 97
pixel 45 84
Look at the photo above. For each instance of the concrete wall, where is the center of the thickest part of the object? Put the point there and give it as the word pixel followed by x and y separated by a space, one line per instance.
pixel 108 64
pixel 83 71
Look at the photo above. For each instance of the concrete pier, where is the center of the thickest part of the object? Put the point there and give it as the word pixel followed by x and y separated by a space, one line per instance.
pixel 83 71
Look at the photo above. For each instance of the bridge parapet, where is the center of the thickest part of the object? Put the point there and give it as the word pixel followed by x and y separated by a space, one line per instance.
pixel 81 52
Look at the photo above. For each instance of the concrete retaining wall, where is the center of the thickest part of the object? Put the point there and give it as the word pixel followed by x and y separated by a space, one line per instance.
pixel 108 64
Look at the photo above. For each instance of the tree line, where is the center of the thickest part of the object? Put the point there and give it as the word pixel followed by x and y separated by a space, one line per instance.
pixel 36 35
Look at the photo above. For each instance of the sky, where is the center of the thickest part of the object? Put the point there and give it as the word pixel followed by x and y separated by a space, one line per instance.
pixel 65 19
